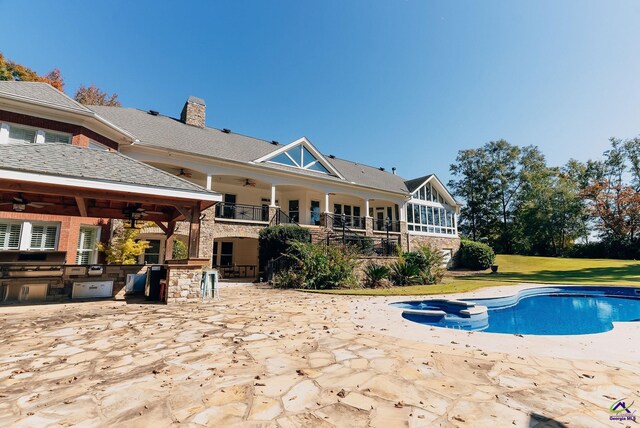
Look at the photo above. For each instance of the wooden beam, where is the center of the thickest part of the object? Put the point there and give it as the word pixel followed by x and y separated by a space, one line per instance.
pixel 184 211
pixel 194 232
pixel 162 226
pixel 82 206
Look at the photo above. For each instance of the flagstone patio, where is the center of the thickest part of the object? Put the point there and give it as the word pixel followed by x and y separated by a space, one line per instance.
pixel 263 357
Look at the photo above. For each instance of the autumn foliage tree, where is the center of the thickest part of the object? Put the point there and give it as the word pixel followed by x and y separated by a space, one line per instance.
pixel 616 208
pixel 10 70
pixel 93 96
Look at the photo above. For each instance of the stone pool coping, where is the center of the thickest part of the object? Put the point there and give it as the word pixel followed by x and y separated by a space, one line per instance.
pixel 618 344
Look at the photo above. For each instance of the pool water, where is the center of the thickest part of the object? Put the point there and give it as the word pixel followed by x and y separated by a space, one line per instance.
pixel 543 311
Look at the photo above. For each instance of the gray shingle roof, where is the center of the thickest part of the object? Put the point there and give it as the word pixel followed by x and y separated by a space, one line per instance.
pixel 40 93
pixel 169 133
pixel 66 160
pixel 414 184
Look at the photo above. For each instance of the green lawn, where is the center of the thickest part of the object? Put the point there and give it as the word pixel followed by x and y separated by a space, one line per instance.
pixel 517 269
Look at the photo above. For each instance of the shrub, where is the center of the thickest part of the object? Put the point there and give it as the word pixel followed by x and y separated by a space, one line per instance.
pixel 318 267
pixel 428 260
pixel 475 255
pixel 274 241
pixel 404 273
pixel 180 250
pixel 376 276
pixel 434 263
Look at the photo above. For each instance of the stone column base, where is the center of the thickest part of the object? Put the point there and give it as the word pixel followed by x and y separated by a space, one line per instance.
pixel 183 280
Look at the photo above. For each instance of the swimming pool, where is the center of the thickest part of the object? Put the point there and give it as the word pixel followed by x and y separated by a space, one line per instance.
pixel 534 311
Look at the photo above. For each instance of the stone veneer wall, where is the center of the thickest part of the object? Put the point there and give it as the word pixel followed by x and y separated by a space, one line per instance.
pixel 377 260
pixel 193 114
pixel 183 283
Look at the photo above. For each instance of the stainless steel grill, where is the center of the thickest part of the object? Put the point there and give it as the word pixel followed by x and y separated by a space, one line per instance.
pixel 31 264
pixel 27 275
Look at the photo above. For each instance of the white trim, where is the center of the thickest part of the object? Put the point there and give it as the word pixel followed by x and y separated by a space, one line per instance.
pixel 307 144
pixel 81 110
pixel 40 136
pixel 236 220
pixel 94 251
pixel 25 235
pixel 440 188
pixel 439 235
pixel 4 133
pixel 107 185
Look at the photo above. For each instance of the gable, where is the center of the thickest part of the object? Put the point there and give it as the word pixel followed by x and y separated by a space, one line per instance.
pixel 300 154
pixel 432 189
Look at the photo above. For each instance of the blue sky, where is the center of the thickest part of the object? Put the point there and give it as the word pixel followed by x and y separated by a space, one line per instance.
pixel 386 83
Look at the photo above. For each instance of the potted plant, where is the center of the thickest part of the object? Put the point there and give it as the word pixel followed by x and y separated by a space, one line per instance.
pixel 494 268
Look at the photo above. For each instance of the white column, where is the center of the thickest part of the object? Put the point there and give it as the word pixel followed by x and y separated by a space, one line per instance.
pixel 326 203
pixel 366 208
pixel 208 181
pixel 40 137
pixel 4 133
pixel 273 196
pixel 25 235
pixel 402 218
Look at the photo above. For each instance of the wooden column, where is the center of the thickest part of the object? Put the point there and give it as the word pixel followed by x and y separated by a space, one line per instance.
pixel 194 232
pixel 168 248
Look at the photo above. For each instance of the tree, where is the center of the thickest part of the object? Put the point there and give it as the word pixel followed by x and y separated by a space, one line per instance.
pixel 612 197
pixel 93 96
pixel 10 70
pixel 473 185
pixel 123 248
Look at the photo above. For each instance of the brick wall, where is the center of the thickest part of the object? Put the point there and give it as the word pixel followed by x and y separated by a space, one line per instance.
pixel 68 232
pixel 80 134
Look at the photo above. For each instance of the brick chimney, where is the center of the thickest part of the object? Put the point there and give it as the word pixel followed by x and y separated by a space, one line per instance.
pixel 193 112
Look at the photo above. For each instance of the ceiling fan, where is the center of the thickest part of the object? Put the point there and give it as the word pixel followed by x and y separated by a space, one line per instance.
pixel 248 182
pixel 20 203
pixel 134 214
pixel 183 173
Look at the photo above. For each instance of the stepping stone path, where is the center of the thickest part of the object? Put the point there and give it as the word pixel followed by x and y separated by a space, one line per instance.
pixel 277 358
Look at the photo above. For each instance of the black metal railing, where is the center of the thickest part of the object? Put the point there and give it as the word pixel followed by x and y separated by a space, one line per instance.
pixel 337 221
pixel 282 218
pixel 366 245
pixel 381 225
pixel 242 212
pixel 237 271
pixel 277 265
pixel 351 221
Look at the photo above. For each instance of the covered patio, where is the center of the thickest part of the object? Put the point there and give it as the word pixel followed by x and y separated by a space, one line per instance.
pixel 66 180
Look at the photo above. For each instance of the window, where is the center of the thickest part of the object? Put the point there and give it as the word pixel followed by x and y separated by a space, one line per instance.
pixel 228 207
pixel 226 254
pixel 10 236
pixel 43 237
pixel 21 135
pixel 152 253
pixel 97 146
pixel 52 137
pixel 315 213
pixel 299 157
pixel 87 252
pixel 294 210
pixel 423 218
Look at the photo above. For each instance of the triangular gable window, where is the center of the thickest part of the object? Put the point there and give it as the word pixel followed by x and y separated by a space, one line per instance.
pixel 300 157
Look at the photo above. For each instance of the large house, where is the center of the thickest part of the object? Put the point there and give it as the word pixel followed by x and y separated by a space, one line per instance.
pixel 261 183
